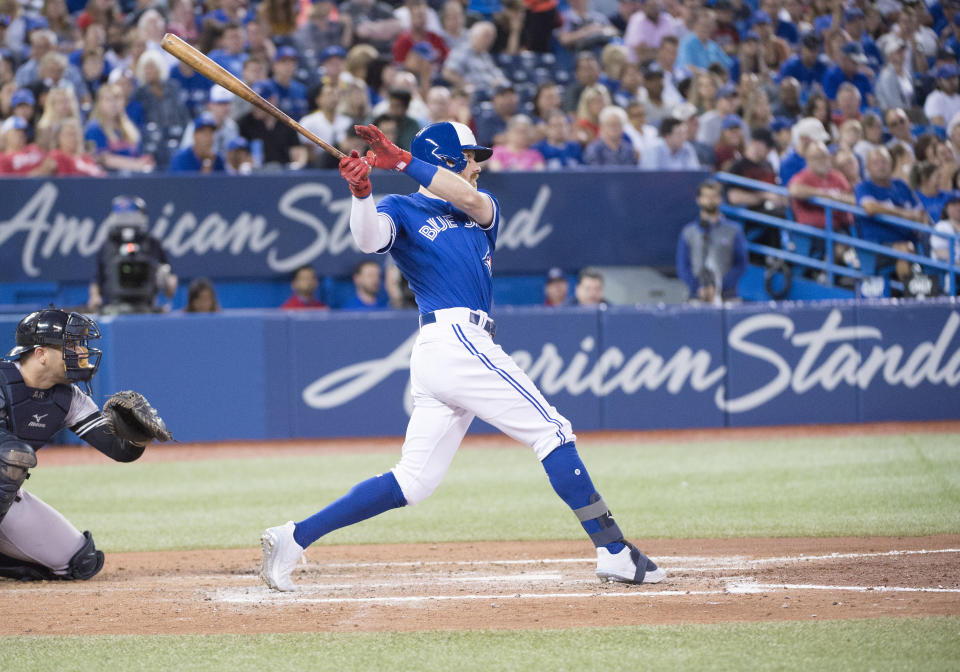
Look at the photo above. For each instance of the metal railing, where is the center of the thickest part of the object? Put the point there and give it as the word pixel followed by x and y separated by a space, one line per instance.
pixel 949 268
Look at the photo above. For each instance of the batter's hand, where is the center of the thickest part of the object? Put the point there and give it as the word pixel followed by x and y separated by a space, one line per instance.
pixel 386 154
pixel 356 171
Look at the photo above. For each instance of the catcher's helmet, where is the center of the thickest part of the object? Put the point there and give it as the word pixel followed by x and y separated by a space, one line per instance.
pixel 70 331
pixel 444 142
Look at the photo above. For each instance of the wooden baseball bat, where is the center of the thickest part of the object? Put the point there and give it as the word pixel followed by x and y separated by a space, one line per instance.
pixel 205 66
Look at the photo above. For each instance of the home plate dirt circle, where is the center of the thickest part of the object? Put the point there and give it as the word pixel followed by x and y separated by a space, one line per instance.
pixel 470 586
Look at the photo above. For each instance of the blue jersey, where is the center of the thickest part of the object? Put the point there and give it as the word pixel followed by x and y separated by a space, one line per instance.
pixel 444 255
pixel 897 194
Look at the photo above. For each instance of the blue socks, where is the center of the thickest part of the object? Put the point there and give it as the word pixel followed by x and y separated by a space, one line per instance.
pixel 371 497
pixel 570 480
pixel 365 500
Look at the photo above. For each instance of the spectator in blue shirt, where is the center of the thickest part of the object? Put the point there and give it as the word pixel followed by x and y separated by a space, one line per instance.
pixel 611 148
pixel 557 148
pixel 856 26
pixel 230 11
pixel 852 57
pixel 231 55
pixel 492 121
pixel 925 182
pixel 194 87
pixel 809 67
pixel 882 194
pixel 671 151
pixel 291 94
pixel 367 285
pixel 199 157
pixel 697 50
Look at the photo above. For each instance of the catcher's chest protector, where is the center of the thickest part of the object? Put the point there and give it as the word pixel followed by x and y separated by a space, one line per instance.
pixel 32 415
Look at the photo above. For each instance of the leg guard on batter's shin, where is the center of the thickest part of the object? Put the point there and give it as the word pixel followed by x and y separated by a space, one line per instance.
pixel 16 459
pixel 21 570
pixel 598 511
pixel 86 562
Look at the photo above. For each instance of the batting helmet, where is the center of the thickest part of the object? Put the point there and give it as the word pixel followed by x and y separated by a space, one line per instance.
pixel 70 331
pixel 444 142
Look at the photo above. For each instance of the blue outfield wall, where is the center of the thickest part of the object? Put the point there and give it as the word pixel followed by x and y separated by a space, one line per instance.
pixel 274 375
pixel 266 226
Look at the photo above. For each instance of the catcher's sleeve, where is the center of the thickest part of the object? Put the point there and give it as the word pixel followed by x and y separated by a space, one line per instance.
pixel 94 430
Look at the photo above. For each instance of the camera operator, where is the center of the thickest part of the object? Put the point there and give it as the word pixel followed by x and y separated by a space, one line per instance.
pixel 711 250
pixel 132 267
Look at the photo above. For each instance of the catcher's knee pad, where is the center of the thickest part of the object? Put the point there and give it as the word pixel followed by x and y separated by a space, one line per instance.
pixel 16 459
pixel 86 562
pixel 598 511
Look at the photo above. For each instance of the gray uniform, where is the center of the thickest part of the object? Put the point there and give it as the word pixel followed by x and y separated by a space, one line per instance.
pixel 32 531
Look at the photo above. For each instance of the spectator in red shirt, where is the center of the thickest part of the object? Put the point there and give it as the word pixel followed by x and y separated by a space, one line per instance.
pixel 820 179
pixel 68 152
pixel 730 145
pixel 848 105
pixel 304 284
pixel 20 158
pixel 754 166
pixel 418 33
pixel 556 290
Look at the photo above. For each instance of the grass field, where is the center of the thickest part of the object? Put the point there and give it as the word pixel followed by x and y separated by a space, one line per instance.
pixel 870 486
pixel 915 644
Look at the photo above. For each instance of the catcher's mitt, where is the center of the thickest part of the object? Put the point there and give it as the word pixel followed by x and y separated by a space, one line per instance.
pixel 131 417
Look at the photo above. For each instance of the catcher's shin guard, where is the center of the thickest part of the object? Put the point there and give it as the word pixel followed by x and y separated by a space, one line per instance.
pixel 86 562
pixel 16 459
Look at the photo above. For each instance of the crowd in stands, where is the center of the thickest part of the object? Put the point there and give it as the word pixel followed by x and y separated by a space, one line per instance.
pixel 550 84
pixel 745 86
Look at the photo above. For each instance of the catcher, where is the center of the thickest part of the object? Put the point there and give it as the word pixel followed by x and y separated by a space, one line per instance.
pixel 39 396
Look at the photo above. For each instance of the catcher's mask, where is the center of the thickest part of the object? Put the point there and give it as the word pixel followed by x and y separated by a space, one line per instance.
pixel 69 332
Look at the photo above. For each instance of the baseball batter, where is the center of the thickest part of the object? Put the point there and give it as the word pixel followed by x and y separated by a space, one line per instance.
pixel 442 238
pixel 39 396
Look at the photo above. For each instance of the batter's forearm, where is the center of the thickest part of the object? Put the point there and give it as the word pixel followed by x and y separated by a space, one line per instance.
pixel 451 187
pixel 370 230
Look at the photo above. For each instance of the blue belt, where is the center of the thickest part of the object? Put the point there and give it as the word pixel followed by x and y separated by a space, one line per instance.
pixel 484 323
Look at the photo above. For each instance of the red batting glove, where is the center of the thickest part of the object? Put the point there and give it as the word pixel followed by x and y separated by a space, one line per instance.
pixel 356 171
pixel 386 154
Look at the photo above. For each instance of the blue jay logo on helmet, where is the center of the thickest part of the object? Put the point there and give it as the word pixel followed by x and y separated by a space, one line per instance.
pixel 442 144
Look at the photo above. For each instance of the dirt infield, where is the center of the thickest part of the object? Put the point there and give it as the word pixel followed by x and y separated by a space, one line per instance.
pixel 470 586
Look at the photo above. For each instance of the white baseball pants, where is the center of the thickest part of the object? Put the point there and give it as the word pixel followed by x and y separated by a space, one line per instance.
pixel 457 373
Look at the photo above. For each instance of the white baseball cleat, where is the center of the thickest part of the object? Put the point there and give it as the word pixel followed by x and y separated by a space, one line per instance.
pixel 280 556
pixel 627 566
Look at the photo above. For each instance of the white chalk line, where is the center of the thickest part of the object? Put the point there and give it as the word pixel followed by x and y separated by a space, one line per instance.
pixel 748 588
pixel 235 596
pixel 735 585
pixel 248 597
pixel 665 560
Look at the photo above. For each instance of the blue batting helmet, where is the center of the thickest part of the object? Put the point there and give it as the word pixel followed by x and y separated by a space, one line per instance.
pixel 444 142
